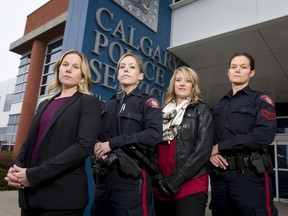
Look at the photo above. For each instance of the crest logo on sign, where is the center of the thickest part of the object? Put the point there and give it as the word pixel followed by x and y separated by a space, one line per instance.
pixel 145 11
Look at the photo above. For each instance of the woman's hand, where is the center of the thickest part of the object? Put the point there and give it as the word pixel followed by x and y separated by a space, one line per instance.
pixel 217 159
pixel 21 176
pixel 16 177
pixel 101 149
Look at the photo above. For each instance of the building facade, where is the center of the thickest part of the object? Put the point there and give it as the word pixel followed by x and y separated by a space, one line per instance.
pixel 202 34
pixel 9 115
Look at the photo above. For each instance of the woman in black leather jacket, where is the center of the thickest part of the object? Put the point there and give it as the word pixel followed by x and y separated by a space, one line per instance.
pixel 188 139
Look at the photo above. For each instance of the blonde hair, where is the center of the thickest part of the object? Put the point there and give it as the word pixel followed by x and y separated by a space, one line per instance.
pixel 136 57
pixel 85 86
pixel 195 94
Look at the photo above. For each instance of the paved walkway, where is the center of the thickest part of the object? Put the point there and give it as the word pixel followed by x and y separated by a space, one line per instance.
pixel 9 205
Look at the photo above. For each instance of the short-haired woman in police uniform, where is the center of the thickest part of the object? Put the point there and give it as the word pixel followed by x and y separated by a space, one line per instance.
pixel 131 128
pixel 245 124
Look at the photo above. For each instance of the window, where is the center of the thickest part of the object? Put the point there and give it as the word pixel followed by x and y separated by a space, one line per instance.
pixel 282 117
pixel 8 101
pixel 282 124
pixel 9 136
pixel 22 77
pixel 2 132
pixel 52 55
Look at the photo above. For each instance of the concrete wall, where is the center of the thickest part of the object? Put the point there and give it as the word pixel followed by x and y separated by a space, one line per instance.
pixel 207 18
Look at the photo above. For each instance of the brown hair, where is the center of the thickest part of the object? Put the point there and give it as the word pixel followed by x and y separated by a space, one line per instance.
pixel 137 58
pixel 250 57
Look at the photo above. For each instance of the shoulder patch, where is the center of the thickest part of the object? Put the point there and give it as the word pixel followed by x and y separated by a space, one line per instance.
pixel 153 102
pixel 267 99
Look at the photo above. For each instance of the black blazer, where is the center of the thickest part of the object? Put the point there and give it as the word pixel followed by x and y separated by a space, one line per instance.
pixel 58 180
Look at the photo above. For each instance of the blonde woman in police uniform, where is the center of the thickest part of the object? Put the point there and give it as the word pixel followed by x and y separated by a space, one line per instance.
pixel 130 119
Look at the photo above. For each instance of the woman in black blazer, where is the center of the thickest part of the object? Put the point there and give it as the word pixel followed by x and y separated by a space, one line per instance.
pixel 50 168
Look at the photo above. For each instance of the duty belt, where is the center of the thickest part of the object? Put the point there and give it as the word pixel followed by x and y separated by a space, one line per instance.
pixel 259 162
pixel 236 162
pixel 239 162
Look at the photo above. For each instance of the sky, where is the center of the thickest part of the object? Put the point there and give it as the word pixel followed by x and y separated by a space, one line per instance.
pixel 12 22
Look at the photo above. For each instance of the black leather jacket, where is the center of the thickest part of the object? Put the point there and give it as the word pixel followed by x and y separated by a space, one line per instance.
pixel 194 144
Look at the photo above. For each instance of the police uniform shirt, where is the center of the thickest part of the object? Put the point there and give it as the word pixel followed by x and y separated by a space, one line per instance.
pixel 140 119
pixel 244 122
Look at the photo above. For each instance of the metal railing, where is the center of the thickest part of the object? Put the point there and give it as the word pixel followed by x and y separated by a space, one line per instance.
pixel 280 140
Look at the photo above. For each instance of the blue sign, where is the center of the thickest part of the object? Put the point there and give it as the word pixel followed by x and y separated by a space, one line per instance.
pixel 115 27
pixel 106 29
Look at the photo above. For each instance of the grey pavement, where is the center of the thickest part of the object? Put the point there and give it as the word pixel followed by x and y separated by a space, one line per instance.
pixel 281 206
pixel 9 205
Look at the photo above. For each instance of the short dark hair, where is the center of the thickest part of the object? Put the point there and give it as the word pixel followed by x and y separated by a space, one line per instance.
pixel 250 57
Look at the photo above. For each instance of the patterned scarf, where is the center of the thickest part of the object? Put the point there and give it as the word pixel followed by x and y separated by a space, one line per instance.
pixel 172 118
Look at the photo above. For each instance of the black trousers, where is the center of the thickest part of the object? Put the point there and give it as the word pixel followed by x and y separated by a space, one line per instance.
pixel 191 205
pixel 233 193
pixel 42 212
pixel 119 195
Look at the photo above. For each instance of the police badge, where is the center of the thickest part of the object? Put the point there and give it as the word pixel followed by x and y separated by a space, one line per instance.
pixel 145 11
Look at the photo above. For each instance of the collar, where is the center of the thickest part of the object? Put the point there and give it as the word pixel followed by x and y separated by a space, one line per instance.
pixel 135 92
pixel 246 90
pixel 76 94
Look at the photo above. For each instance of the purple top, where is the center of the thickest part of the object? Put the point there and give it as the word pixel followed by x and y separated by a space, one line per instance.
pixel 43 123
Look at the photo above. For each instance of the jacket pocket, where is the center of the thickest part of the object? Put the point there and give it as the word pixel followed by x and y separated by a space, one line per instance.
pixel 188 127
pixel 131 122
pixel 244 118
